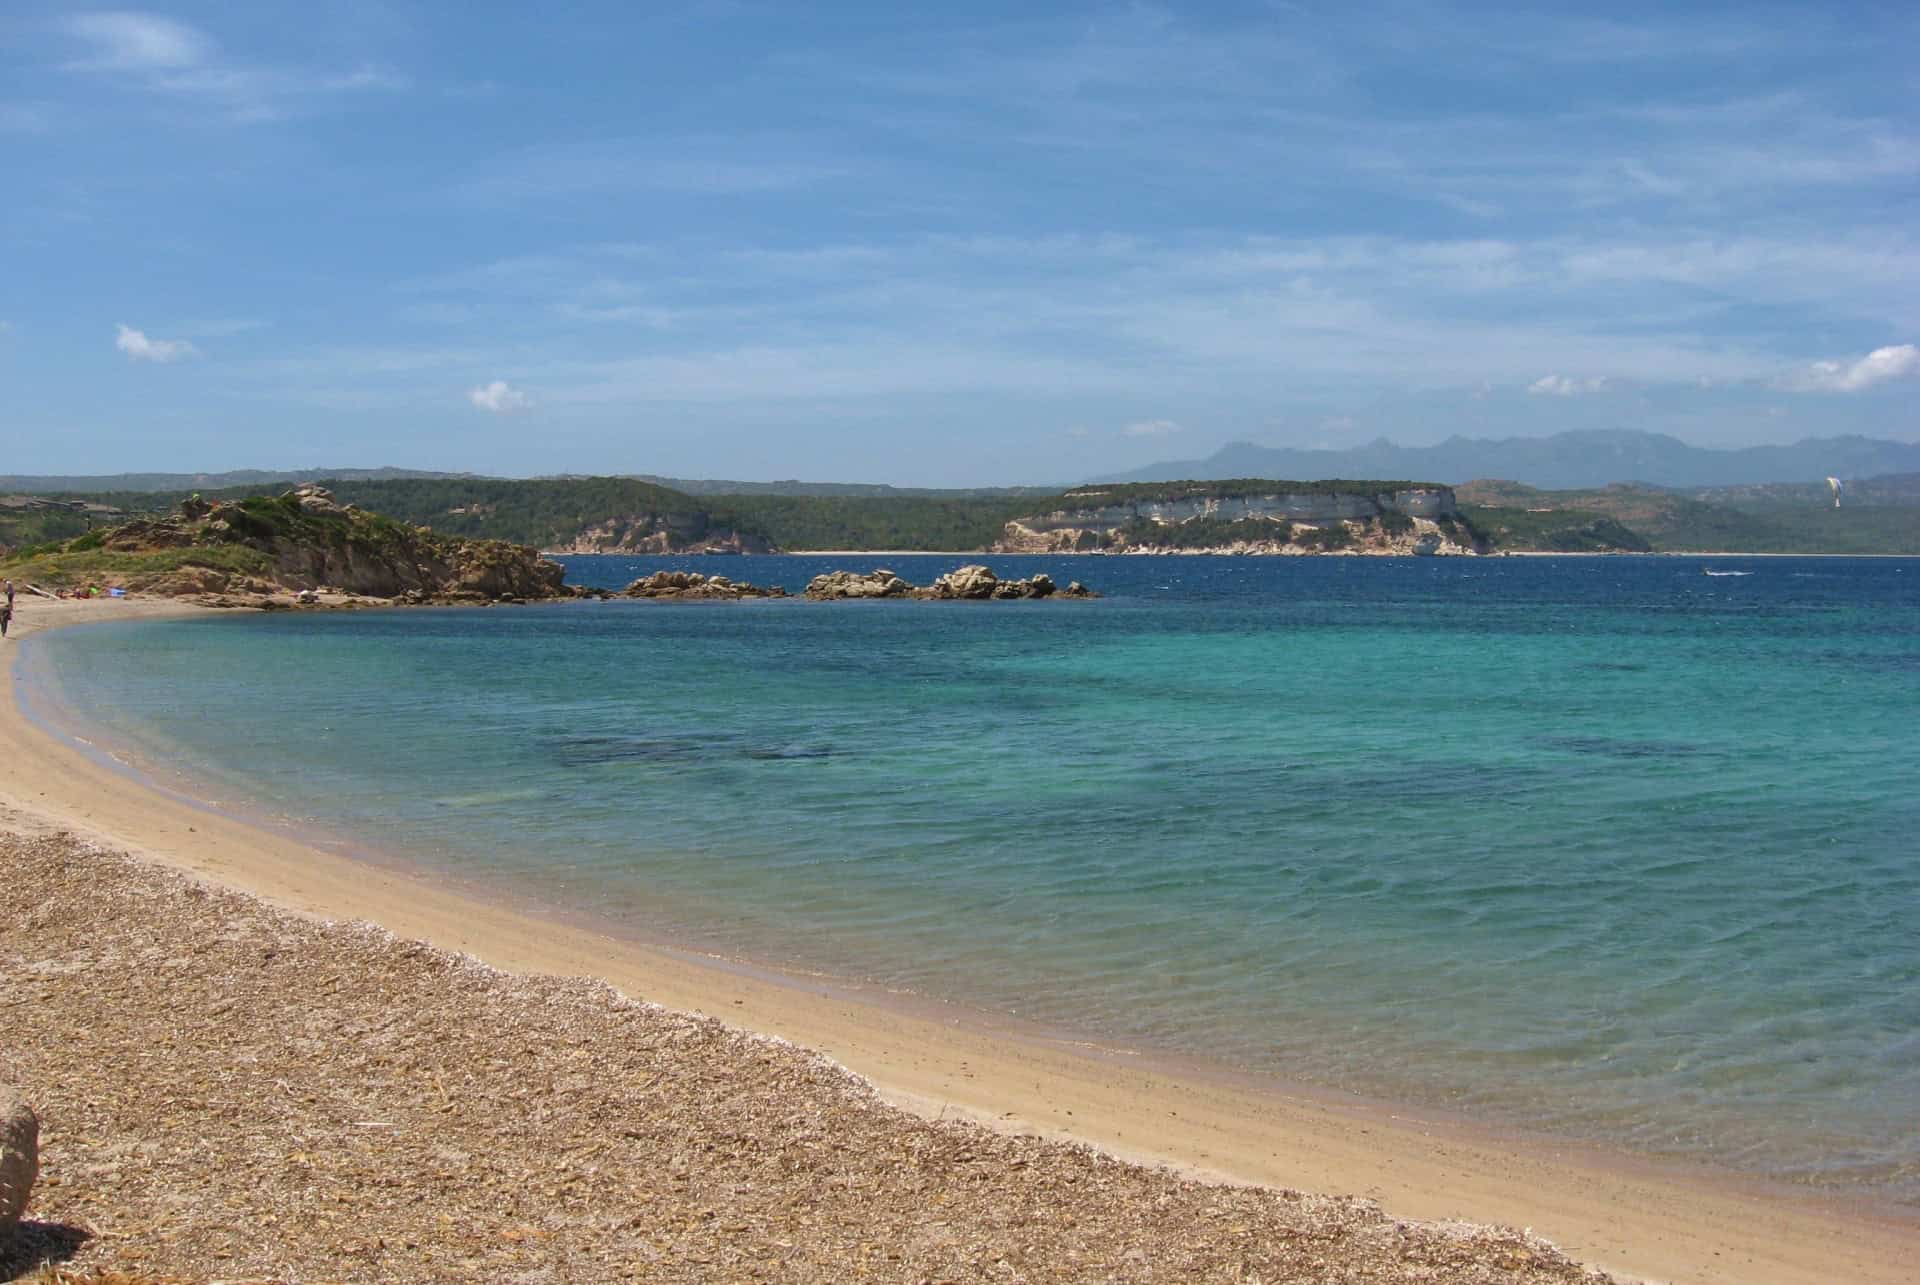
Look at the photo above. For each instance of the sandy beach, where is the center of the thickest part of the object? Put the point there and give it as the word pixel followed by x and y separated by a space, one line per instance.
pixel 462 1122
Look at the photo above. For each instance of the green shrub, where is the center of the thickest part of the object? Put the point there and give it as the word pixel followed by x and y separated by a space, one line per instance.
pixel 1332 536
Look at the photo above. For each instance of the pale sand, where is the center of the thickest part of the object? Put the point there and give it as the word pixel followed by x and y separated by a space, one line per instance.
pixel 1663 1223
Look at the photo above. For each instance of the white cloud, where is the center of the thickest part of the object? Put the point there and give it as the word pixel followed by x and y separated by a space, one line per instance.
pixel 499 397
pixel 138 347
pixel 1563 386
pixel 1900 361
pixel 138 42
pixel 1150 428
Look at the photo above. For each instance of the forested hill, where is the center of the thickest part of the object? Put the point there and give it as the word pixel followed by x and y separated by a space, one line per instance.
pixel 614 514
pixel 618 514
pixel 622 514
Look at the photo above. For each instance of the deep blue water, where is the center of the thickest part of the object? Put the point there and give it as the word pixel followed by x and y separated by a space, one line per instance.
pixel 1605 847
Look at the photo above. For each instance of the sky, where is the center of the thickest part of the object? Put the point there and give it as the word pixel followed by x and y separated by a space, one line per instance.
pixel 957 245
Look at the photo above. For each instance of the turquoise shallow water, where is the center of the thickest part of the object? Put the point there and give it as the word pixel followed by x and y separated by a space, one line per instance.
pixel 1603 847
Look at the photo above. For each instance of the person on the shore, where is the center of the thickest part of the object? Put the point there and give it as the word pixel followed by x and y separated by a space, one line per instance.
pixel 6 615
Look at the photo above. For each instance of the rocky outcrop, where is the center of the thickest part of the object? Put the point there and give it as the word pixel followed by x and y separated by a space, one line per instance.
pixel 976 583
pixel 691 586
pixel 1406 520
pixel 857 584
pixel 304 540
pixel 966 584
pixel 19 1157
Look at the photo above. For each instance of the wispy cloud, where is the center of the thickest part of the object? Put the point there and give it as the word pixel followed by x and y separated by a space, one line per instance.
pixel 1900 361
pixel 1321 318
pixel 155 54
pixel 128 41
pixel 138 347
pixel 1564 386
pixel 1150 428
pixel 499 397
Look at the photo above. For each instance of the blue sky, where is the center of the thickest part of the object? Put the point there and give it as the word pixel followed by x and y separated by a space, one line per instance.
pixel 942 246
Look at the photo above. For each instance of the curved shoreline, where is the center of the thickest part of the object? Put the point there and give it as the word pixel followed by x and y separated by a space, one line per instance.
pixel 1654 1221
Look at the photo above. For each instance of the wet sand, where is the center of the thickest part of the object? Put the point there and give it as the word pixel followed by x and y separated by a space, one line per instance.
pixel 1636 1219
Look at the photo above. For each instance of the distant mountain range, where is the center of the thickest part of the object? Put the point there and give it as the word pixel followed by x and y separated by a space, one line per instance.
pixel 1565 461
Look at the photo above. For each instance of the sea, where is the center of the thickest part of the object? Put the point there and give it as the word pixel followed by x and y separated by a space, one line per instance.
pixel 1620 849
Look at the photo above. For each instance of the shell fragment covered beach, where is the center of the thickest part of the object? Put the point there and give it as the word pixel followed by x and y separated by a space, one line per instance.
pixel 232 1091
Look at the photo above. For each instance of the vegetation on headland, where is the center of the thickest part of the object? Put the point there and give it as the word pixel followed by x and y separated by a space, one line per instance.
pixel 76 565
pixel 1561 531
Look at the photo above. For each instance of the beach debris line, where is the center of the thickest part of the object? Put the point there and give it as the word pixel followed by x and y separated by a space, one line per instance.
pixel 971 583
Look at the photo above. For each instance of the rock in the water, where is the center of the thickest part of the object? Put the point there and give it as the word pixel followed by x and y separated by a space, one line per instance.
pixel 970 582
pixel 855 584
pixel 965 584
pixel 19 1156
pixel 678 585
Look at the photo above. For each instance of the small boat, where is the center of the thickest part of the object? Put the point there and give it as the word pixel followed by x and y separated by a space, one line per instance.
pixel 1711 572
